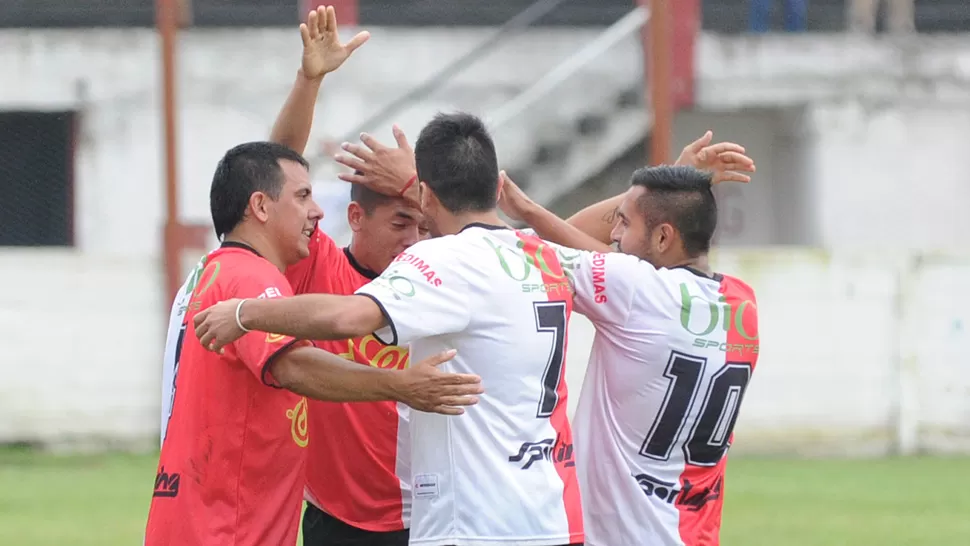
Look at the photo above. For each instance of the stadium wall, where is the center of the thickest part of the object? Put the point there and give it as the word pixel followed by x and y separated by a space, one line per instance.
pixel 859 144
pixel 861 354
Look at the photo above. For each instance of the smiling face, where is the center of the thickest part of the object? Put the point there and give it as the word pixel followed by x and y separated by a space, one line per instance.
pixel 291 219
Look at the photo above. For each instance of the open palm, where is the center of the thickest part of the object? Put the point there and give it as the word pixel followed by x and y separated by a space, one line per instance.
pixel 726 161
pixel 322 51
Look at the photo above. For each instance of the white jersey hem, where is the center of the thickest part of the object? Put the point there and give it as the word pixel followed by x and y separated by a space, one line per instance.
pixel 559 540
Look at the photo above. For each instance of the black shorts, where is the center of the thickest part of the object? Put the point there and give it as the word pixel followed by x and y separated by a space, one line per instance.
pixel 322 529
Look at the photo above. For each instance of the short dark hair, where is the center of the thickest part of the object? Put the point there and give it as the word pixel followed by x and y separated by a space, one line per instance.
pixel 682 197
pixel 244 170
pixel 367 198
pixel 456 158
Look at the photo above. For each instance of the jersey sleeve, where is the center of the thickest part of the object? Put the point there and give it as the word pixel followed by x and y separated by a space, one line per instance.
pixel 604 284
pixel 257 350
pixel 421 294
pixel 324 259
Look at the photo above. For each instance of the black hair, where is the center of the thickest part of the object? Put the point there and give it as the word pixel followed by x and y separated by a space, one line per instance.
pixel 456 158
pixel 680 196
pixel 246 169
pixel 367 198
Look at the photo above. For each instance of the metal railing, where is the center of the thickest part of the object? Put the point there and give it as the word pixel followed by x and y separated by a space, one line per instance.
pixel 610 37
pixel 524 19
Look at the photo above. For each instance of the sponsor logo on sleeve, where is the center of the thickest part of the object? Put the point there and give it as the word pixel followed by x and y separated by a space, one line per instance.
pixel 423 268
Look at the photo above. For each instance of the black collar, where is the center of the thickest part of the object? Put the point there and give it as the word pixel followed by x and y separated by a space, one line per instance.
pixel 236 244
pixel 714 276
pixel 483 226
pixel 369 273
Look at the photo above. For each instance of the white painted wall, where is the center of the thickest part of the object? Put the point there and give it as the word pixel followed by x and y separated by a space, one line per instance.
pixel 865 148
pixel 860 353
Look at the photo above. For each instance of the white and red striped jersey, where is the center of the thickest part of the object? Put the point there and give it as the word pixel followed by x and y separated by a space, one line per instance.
pixel 504 472
pixel 672 356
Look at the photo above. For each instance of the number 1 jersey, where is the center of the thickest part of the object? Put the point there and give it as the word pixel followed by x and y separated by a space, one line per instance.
pixel 673 352
pixel 504 472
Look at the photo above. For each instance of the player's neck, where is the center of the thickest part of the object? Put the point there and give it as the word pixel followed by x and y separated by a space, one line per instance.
pixel 364 258
pixel 464 219
pixel 259 243
pixel 699 263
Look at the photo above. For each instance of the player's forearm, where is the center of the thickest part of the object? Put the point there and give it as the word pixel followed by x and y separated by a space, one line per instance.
pixel 313 316
pixel 598 219
pixel 553 228
pixel 320 375
pixel 293 124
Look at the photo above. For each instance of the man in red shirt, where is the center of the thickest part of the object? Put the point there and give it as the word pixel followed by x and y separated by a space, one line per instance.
pixel 352 440
pixel 231 467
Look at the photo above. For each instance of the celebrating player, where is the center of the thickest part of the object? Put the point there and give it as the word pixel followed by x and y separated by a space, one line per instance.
pixel 231 467
pixel 349 439
pixel 675 347
pixel 675 343
pixel 504 471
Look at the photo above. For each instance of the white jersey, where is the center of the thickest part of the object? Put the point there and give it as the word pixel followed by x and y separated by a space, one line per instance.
pixel 504 472
pixel 673 353
pixel 173 342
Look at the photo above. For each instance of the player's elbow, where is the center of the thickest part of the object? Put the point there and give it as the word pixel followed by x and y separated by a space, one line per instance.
pixel 288 370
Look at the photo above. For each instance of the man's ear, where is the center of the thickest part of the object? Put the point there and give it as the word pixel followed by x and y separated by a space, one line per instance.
pixel 667 237
pixel 259 204
pixel 355 216
pixel 428 198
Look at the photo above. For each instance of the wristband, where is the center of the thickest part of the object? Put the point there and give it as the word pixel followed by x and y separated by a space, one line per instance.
pixel 239 322
pixel 410 183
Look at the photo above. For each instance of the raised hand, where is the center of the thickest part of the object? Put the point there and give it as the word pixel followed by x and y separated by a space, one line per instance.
pixel 322 51
pixel 725 160
pixel 513 201
pixel 426 388
pixel 384 169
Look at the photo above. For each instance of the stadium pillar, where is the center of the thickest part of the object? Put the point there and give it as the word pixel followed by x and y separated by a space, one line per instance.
pixel 346 10
pixel 169 16
pixel 668 47
pixel 659 96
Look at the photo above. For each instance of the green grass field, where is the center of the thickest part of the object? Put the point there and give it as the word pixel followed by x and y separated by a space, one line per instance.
pixel 102 501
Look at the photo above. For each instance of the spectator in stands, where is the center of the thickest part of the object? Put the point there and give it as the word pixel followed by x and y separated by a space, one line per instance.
pixel 901 15
pixel 795 11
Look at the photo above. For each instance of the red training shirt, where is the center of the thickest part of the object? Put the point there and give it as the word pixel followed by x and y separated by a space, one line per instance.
pixel 231 467
pixel 357 466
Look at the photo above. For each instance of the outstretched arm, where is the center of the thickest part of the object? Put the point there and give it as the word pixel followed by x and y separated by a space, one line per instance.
pixel 309 316
pixel 321 375
pixel 518 206
pixel 322 53
pixel 590 228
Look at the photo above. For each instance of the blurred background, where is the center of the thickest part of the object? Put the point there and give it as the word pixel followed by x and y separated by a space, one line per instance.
pixel 856 429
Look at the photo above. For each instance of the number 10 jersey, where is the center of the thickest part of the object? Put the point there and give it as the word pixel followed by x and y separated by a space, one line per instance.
pixel 504 472
pixel 673 352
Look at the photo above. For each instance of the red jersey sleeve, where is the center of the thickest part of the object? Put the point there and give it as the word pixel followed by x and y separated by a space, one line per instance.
pixel 324 257
pixel 258 349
